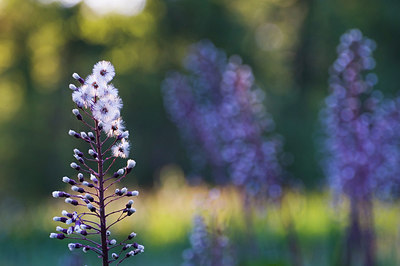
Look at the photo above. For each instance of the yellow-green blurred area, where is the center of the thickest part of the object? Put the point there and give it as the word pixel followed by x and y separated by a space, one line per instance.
pixel 164 219
pixel 289 44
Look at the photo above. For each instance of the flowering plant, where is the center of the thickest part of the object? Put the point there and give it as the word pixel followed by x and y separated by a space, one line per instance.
pixel 98 108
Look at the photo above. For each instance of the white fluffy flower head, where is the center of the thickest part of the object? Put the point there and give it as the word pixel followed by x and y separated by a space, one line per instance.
pixel 121 149
pixel 104 70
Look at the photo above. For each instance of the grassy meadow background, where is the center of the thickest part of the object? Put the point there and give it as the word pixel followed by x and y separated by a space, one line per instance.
pixel 289 44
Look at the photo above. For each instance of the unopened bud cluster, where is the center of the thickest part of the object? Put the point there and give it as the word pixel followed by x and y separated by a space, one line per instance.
pixel 98 108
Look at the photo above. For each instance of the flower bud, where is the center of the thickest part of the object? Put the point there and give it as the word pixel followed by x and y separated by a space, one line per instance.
pixel 78 152
pixel 113 242
pixel 80 177
pixel 91 136
pixel 85 183
pixel 84 135
pixel 131 235
pixel 67 180
pixel 77 114
pixel 131 211
pixel 71 201
pixel 118 192
pixel 77 189
pixel 92 153
pixel 60 229
pixel 79 159
pixel 60 194
pixel 93 178
pixel 127 246
pixel 108 233
pixel 115 256
pixel 130 164
pixel 129 204
pixel 124 190
pixel 73 87
pixel 118 173
pixel 78 78
pixel 75 166
pixel 74 134
pixel 132 193
pixel 89 197
pixel 59 219
pixel 58 236
pixel 91 207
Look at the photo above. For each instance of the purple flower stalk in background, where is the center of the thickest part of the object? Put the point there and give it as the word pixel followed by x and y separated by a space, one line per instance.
pixel 98 108
pixel 220 114
pixel 353 142
pixel 209 247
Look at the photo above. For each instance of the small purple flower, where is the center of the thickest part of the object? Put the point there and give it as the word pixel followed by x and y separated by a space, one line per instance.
pixel 208 246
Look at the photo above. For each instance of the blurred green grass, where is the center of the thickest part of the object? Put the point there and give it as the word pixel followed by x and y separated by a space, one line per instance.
pixel 163 221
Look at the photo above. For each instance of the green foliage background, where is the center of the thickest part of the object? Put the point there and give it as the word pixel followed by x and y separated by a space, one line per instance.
pixel 289 44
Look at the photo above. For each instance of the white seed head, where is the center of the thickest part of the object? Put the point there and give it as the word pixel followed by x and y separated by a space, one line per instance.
pixel 55 194
pixel 56 219
pixel 117 191
pixel 115 256
pixel 120 171
pixel 130 202
pixel 135 193
pixel 91 152
pixel 72 87
pixel 113 242
pixel 76 151
pixel 75 188
pixel 71 132
pixel 90 206
pixel 71 246
pixel 74 165
pixel 132 235
pixel 141 247
pixel 85 249
pixel 124 190
pixel 75 112
pixel 108 233
pixel 90 134
pixel 65 179
pixel 84 135
pixel 64 213
pixel 85 183
pixel 80 175
pixel 130 164
pixel 53 235
pixel 69 221
pixel 70 230
pixel 68 200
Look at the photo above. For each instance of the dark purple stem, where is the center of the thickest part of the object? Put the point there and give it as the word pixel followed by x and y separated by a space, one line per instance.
pixel 103 230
